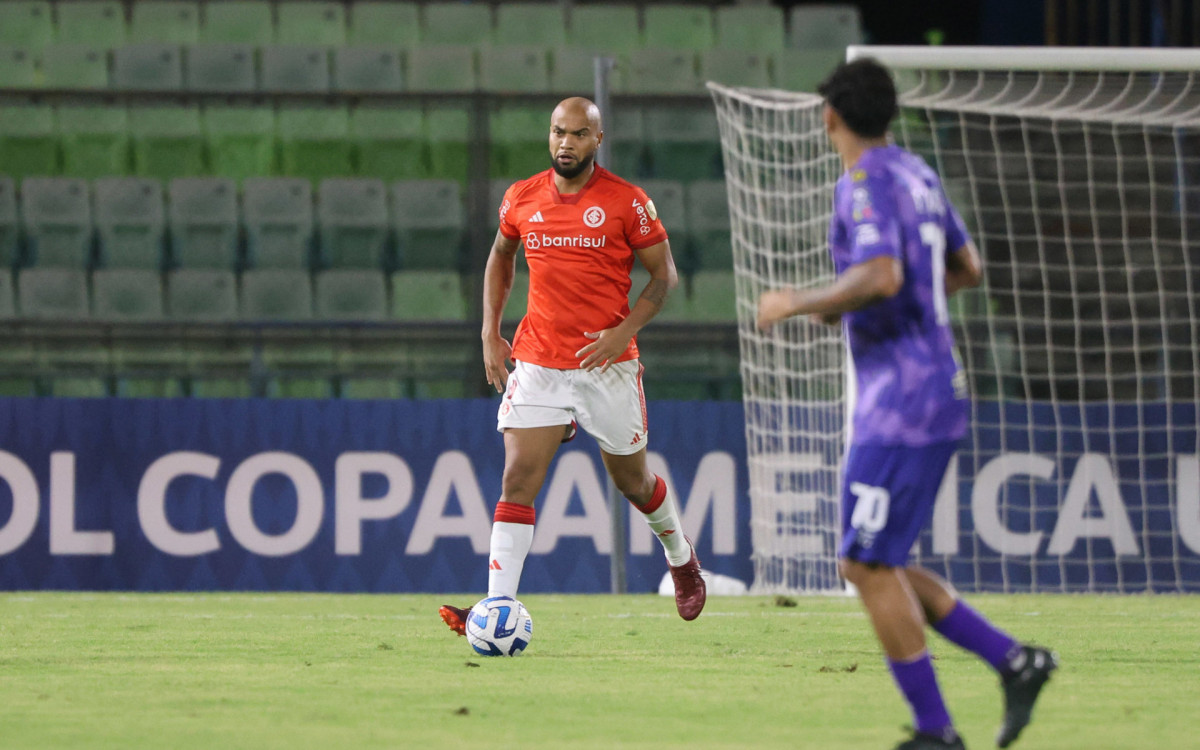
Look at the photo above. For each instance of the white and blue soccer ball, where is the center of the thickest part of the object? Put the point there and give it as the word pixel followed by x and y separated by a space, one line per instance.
pixel 499 626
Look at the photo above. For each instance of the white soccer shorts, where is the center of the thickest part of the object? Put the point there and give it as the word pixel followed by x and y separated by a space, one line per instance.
pixel 610 406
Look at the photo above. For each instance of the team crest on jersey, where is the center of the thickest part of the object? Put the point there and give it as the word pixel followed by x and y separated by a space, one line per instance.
pixel 652 210
pixel 594 216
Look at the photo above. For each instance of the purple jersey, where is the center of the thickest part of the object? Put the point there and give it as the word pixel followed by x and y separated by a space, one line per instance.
pixel 906 382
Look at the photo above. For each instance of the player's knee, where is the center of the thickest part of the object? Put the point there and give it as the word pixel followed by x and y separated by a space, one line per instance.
pixel 521 484
pixel 854 571
pixel 636 487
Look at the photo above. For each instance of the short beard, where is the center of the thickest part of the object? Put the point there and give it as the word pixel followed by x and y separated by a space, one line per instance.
pixel 579 168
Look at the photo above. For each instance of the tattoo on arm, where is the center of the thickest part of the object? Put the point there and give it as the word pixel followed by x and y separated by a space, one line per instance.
pixel 655 293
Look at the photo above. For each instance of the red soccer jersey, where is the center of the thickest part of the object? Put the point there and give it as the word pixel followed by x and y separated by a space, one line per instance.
pixel 580 252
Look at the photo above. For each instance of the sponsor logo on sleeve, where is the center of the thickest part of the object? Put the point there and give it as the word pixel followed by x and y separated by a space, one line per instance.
pixel 504 209
pixel 866 234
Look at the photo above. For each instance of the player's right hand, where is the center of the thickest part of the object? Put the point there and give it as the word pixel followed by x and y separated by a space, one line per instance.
pixel 496 354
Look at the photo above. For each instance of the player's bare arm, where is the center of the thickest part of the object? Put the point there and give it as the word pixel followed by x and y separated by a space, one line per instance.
pixel 612 342
pixel 963 269
pixel 861 285
pixel 497 283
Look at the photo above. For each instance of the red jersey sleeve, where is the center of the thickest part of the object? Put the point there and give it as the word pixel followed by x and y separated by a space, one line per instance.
pixel 643 227
pixel 507 228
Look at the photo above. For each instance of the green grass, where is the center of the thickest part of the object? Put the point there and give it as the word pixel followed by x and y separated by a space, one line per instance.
pixel 329 671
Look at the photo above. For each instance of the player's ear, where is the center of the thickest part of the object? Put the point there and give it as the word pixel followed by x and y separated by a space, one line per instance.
pixel 599 137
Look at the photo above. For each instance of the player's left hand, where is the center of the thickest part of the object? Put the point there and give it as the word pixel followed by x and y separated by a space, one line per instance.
pixel 608 345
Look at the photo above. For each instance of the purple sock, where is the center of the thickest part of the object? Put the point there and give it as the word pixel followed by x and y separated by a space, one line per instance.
pixel 968 629
pixel 919 685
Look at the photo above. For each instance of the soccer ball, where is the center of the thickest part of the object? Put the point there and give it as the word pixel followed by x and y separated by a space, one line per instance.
pixel 499 626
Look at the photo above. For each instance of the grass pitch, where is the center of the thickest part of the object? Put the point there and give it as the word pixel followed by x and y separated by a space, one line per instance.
pixel 338 671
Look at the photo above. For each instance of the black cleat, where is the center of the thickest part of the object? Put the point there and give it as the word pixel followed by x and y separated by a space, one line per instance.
pixel 922 741
pixel 1021 690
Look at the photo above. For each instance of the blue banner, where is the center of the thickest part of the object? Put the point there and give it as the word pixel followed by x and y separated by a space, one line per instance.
pixel 193 494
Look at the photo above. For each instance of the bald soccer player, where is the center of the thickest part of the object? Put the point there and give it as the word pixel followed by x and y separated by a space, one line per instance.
pixel 575 352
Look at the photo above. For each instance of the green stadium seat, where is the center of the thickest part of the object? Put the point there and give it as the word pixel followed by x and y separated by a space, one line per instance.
pixel 28 141
pixel 446 387
pixel 384 24
pixel 278 215
pixel 18 68
pixel 311 22
pixel 669 200
pixel 735 68
pixel 444 68
pixel 202 294
pixel 448 133
pixel 165 21
pixel 520 141
pixel 26 23
pixel 625 133
pixel 276 294
pixel 127 294
pixel 74 66
pixel 130 222
pixel 314 142
pixel 836 25
pixel 750 28
pixel 18 387
pixel 216 387
pixel 683 143
pixel 613 29
pixel 299 386
pixel 541 25
pixel 367 69
pixel 167 141
pixel 804 69
pixel 428 295
pixel 518 298
pixel 220 67
pixel 366 388
pixel 430 223
pixel 95 140
pixel 10 227
pixel 151 386
pixel 708 224
pixel 148 67
pixel 573 71
pixel 351 294
pixel 98 23
pixel 514 70
pixel 295 69
pixel 250 22
pixel 8 299
pixel 468 24
pixel 204 222
pixel 240 140
pixel 390 141
pixel 353 216
pixel 57 293
pixel 683 27
pixel 661 71
pixel 57 215
pixel 68 386
pixel 714 297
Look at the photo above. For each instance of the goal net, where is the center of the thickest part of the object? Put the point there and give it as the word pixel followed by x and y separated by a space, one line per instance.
pixel 1078 173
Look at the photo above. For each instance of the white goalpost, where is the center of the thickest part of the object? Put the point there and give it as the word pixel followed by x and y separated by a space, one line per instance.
pixel 1078 173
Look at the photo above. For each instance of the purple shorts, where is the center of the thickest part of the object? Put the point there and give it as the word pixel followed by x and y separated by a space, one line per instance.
pixel 888 493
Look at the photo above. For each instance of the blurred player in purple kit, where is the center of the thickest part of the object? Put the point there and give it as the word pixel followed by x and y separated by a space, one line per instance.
pixel 899 249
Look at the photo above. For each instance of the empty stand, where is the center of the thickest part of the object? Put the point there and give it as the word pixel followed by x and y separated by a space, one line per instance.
pixel 735 68
pixel 684 27
pixel 429 219
pixel 276 294
pixel 351 294
pixel 164 21
pixel 448 134
pixel 26 23
pixel 150 66
pixel 520 141
pixel 384 24
pixel 314 141
pixel 57 216
pixel 749 28
pixel 94 140
pixel 447 67
pixel 28 141
pixel 18 67
pixel 167 141
pixel 238 22
pixel 708 224
pixel 75 66
pixel 127 294
pixel 390 140
pixel 373 69
pixel 295 68
pixel 428 295
pixel 204 222
pixel 311 22
pixel 514 69
pixel 683 143
pixel 99 23
pixel 540 25
pixel 353 216
pixel 220 68
pixel 60 293
pixel 130 222
pixel 202 294
pixel 662 71
pixel 457 23
pixel 278 215
pixel 613 29
pixel 9 231
pixel 241 140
